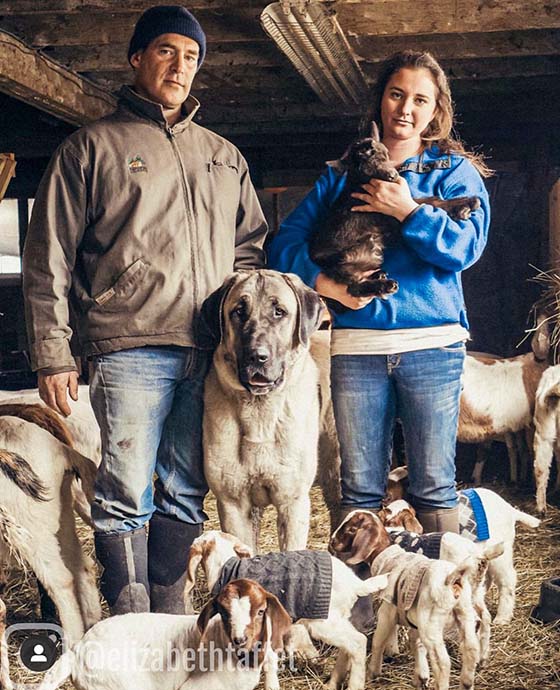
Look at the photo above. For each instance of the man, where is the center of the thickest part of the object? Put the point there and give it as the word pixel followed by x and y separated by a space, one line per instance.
pixel 137 219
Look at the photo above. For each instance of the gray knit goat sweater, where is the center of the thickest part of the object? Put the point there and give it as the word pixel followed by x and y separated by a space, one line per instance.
pixel 302 580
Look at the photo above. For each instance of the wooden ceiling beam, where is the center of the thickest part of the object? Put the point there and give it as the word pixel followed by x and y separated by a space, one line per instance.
pixel 461 47
pixel 63 29
pixel 112 57
pixel 132 6
pixel 402 17
pixel 45 84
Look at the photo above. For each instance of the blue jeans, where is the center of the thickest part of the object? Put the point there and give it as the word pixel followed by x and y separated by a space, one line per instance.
pixel 420 388
pixel 148 402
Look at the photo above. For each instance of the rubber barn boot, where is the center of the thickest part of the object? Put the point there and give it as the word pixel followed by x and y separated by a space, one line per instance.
pixel 439 520
pixel 169 541
pixel 124 582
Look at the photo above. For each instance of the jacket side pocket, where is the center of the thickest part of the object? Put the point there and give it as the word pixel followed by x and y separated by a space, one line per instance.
pixel 123 284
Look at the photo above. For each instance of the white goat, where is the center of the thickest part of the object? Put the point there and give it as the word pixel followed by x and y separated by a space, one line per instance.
pixel 158 651
pixel 497 401
pixel 37 523
pixel 214 549
pixel 547 433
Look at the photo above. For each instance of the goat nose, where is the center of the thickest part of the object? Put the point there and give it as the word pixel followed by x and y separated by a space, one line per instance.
pixel 237 641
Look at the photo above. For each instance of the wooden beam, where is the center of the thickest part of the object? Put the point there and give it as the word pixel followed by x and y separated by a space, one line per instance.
pixel 460 47
pixel 132 6
pixel 42 30
pixel 7 171
pixel 402 17
pixel 112 57
pixel 47 85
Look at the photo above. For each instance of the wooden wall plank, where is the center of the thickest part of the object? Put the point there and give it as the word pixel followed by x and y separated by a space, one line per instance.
pixel 400 17
pixel 47 85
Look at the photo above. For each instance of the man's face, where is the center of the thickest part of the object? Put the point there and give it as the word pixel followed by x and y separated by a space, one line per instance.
pixel 165 69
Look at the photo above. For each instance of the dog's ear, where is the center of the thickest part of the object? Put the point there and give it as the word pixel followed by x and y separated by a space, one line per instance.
pixel 280 621
pixel 310 308
pixel 208 612
pixel 374 131
pixel 209 324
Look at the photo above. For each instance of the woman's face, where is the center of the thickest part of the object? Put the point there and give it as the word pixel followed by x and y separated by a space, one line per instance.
pixel 408 104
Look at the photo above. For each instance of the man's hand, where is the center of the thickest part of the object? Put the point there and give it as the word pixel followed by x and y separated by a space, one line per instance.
pixel 52 389
pixel 330 288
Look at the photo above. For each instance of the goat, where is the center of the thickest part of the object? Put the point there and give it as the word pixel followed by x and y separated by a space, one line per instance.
pixel 501 518
pixel 425 595
pixel 497 401
pixel 547 433
pixel 222 556
pixel 158 651
pixel 349 246
pixel 37 522
pixel 399 518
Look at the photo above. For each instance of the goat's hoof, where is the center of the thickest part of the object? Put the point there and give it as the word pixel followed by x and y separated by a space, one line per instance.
pixel 502 619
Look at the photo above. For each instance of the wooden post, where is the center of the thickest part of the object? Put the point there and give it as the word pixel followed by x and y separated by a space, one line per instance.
pixel 554 224
pixel 7 171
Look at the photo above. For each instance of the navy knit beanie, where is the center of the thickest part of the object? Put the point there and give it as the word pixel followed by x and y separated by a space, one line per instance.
pixel 166 19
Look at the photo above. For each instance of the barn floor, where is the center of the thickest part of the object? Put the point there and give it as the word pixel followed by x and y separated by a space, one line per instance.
pixel 525 656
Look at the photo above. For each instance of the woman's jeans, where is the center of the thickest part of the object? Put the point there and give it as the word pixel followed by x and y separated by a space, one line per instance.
pixel 420 388
pixel 148 402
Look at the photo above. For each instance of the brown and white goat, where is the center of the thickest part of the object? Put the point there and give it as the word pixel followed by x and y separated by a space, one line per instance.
pixel 426 595
pixel 156 651
pixel 37 523
pixel 497 402
pixel 214 549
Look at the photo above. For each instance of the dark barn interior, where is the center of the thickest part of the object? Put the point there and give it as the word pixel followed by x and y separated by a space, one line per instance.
pixel 61 61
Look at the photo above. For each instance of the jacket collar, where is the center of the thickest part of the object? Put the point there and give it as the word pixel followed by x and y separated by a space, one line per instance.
pixel 430 159
pixel 154 111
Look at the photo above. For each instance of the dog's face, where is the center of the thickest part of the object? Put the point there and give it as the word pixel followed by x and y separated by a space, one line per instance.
pixel 261 321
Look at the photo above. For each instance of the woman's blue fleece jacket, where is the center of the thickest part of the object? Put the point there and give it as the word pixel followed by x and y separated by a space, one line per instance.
pixel 428 259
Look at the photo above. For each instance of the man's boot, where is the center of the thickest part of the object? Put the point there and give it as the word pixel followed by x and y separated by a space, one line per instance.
pixel 124 582
pixel 169 542
pixel 439 519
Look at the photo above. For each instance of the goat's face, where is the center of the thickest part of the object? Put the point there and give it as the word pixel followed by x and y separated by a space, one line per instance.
pixel 400 515
pixel 252 617
pixel 370 158
pixel 360 538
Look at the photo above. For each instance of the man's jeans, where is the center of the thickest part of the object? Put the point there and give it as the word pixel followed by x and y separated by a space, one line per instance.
pixel 420 388
pixel 148 402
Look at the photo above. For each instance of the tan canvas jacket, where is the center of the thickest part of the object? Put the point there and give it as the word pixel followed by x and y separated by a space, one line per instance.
pixel 133 225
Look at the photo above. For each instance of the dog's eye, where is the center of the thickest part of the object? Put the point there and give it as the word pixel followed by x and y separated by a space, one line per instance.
pixel 279 312
pixel 240 311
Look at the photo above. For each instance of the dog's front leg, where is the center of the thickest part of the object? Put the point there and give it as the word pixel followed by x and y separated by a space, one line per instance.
pixel 235 518
pixel 293 523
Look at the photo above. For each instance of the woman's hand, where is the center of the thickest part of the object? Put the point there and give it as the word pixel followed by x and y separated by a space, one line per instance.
pixel 330 288
pixel 392 198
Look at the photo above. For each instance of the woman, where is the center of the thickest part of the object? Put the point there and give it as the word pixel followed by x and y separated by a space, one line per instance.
pixel 401 357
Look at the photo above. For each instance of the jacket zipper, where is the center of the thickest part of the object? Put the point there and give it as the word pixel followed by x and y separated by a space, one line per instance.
pixel 190 219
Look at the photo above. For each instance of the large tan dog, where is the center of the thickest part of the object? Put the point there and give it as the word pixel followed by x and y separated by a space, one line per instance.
pixel 261 414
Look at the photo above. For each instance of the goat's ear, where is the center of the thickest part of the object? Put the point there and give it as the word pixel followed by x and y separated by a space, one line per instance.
pixel 340 164
pixel 204 617
pixel 399 473
pixel 410 522
pixel 310 308
pixel 209 324
pixel 540 342
pixel 195 557
pixel 242 550
pixel 374 131
pixel 280 621
pixel 362 546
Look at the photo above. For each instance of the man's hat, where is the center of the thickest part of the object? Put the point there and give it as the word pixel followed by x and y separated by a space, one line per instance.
pixel 166 19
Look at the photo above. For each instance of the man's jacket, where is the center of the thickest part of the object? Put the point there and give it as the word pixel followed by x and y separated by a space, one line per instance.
pixel 133 225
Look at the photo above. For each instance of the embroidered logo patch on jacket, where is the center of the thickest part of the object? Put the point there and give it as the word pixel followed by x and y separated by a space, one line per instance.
pixel 137 164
